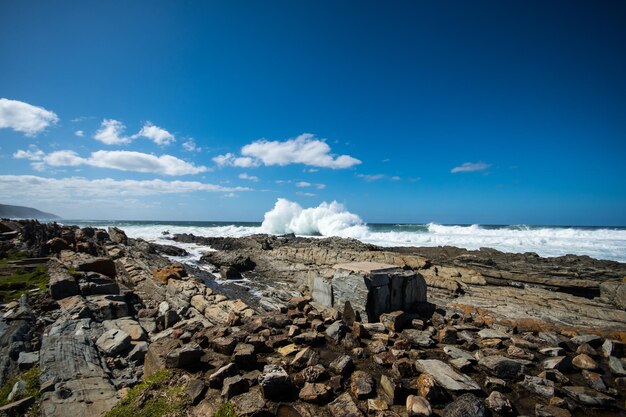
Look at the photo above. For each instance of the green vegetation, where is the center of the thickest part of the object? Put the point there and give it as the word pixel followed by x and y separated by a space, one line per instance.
pixel 13 286
pixel 225 410
pixel 152 398
pixel 13 256
pixel 30 377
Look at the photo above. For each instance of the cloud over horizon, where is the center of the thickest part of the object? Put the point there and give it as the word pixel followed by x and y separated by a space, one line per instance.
pixel 305 149
pixel 26 118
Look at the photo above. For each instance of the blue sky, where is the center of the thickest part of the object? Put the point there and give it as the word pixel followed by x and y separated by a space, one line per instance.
pixel 452 112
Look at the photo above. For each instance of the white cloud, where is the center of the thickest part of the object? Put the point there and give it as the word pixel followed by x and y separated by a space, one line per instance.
pixel 305 149
pixel 120 160
pixel 303 184
pixel 303 194
pixel 156 134
pixel 245 176
pixel 32 154
pixel 371 177
pixel 79 133
pixel 35 188
pixel 111 133
pixel 470 167
pixel 230 195
pixel 190 146
pixel 395 178
pixel 24 117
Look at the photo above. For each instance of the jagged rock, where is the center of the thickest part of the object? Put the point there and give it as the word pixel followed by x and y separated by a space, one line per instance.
pixel 550 411
pixel 418 406
pixel 594 380
pixel 498 402
pixel 249 404
pixel 613 348
pixel 554 375
pixel 17 408
pixel 519 353
pixel 184 356
pixel 393 321
pixel 61 283
pixel 195 389
pixel 129 326
pixel 234 385
pixel 305 357
pixel 560 363
pixel 456 353
pixel 587 350
pixel 138 352
pixel 275 384
pixel 539 386
pixel 551 351
pixel 113 342
pixel 362 385
pixel 418 338
pixel 174 271
pixel 58 244
pixel 344 406
pixel 97 284
pixel 592 339
pixel 117 235
pixel 583 361
pixel 343 365
pixel 428 388
pixel 244 356
pixel 461 364
pixel 224 345
pixel 447 335
pixel 216 379
pixel 27 360
pixel 467 405
pixel 101 265
pixel 167 319
pixel 445 376
pixel 404 367
pixel 616 366
pixel 588 396
pixel 393 389
pixel 492 334
pixel 315 393
pixel 503 367
pixel 18 390
pixel 336 331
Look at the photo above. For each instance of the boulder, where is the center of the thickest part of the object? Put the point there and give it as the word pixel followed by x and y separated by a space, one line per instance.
pixel 113 341
pixel 275 384
pixel 184 356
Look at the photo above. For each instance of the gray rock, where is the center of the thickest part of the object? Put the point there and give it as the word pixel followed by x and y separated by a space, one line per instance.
pixel 19 389
pixel 343 365
pixel 467 405
pixel 113 342
pixel 17 408
pixel 560 363
pixel 216 379
pixel 362 385
pixel 336 331
pixel 617 366
pixel 275 384
pixel 195 389
pixel 445 376
pixel 613 348
pixel 184 356
pixel 551 351
pixel 592 339
pixel 61 283
pixel 138 352
pixel 417 406
pixel 539 386
pixel 27 360
pixel 587 396
pixel 498 402
pixel 233 386
pixel 344 406
pixel 418 338
pixel 456 353
pixel 492 334
pixel 503 367
pixel 244 356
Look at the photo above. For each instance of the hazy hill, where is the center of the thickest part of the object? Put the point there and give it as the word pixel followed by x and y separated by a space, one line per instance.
pixel 20 212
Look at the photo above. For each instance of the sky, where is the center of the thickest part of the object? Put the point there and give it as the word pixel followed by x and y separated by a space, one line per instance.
pixel 420 111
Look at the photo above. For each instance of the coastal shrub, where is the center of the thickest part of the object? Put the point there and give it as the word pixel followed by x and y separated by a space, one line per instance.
pixel 225 410
pixel 13 286
pixel 30 377
pixel 152 398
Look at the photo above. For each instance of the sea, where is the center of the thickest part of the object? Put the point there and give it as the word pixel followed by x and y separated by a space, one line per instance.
pixel 331 219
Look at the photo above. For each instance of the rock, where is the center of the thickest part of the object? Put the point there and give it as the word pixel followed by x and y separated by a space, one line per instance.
pixel 343 366
pixel 594 380
pixel 613 348
pixel 19 389
pixel 560 363
pixel 428 388
pixel 362 385
pixel 250 403
pixel 244 356
pixel 386 359
pixel 492 334
pixel 539 386
pixel 315 393
pixel 17 408
pixel 554 375
pixel 496 401
pixel 305 357
pixel 344 406
pixel 503 367
pixel 336 331
pixel 216 379
pixel 224 345
pixel 461 364
pixel 418 406
pixel 445 376
pixel 195 389
pixel 138 352
pixel 403 367
pixel 113 341
pixel 583 361
pixel 587 349
pixel 376 405
pixel 591 339
pixel 393 390
pixel 418 338
pixel 234 385
pixel 616 366
pixel 552 351
pixel 27 360
pixel 101 265
pixel 184 356
pixel 519 353
pixel 393 321
pixel 456 353
pixel 129 326
pixel 61 283
pixel 447 335
pixel 550 411
pixel 467 405
pixel 587 396
pixel 117 235
pixel 167 319
pixel 288 350
pixel 495 383
pixel 275 384
pixel 174 271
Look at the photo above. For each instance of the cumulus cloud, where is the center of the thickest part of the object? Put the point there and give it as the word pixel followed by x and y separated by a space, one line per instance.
pixel 24 117
pixel 305 149
pixel 190 146
pixel 470 167
pixel 111 132
pixel 119 160
pixel 79 133
pixel 245 176
pixel 35 188
pixel 156 134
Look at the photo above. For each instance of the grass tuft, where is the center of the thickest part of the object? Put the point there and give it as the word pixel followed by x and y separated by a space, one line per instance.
pixel 225 410
pixel 13 286
pixel 30 377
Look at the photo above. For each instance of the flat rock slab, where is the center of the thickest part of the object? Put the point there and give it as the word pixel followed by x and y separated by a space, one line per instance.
pixel 446 376
pixel 588 396
pixel 367 267
pixel 80 397
pixel 504 367
pixel 492 334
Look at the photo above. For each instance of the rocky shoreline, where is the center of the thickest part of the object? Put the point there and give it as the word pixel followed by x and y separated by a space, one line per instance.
pixel 502 334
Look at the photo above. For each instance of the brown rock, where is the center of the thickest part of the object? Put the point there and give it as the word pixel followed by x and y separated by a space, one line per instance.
pixel 344 406
pixel 418 406
pixel 393 321
pixel 315 393
pixel 362 385
pixel 584 361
